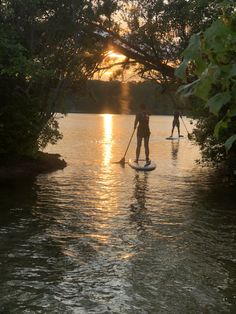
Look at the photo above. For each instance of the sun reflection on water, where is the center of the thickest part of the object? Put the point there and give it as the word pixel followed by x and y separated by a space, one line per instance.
pixel 107 139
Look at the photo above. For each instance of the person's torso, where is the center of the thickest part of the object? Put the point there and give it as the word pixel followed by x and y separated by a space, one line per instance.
pixel 176 115
pixel 143 122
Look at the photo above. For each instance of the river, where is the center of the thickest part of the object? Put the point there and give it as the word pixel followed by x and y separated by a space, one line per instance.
pixel 100 238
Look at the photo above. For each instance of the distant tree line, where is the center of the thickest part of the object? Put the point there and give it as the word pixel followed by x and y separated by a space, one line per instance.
pixel 122 98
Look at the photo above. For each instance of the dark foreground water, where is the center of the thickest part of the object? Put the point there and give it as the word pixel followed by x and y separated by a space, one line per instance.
pixel 99 238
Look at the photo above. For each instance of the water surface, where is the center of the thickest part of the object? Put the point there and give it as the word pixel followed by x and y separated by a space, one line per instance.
pixel 99 238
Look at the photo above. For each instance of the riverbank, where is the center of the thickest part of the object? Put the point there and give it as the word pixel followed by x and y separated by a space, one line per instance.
pixel 28 167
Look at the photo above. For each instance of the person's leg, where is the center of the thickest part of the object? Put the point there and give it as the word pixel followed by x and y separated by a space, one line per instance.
pixel 146 146
pixel 139 142
pixel 178 129
pixel 172 131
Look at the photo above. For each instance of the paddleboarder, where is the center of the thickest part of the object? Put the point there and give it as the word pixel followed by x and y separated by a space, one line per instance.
pixel 143 132
pixel 176 123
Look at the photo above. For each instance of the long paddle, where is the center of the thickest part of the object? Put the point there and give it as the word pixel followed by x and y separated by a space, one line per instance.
pixel 189 135
pixel 122 161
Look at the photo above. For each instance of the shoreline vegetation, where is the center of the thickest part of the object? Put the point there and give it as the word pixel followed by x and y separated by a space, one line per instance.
pixel 13 168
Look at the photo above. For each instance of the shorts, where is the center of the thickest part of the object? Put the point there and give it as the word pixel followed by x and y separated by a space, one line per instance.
pixel 142 134
pixel 176 123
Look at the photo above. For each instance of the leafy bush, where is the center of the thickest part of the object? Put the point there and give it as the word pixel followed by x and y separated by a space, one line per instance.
pixel 209 71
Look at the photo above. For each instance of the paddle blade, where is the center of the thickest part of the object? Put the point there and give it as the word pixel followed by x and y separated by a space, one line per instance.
pixel 122 161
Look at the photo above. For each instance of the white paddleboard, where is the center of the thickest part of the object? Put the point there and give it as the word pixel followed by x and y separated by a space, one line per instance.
pixel 141 165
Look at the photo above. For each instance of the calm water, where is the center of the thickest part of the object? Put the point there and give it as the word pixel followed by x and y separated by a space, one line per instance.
pixel 99 238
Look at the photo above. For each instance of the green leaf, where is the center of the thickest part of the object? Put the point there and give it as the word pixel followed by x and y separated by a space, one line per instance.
pixel 214 71
pixel 218 45
pixel 232 112
pixel 217 29
pixel 232 72
pixel 229 142
pixel 193 49
pixel 216 102
pixel 234 91
pixel 222 124
pixel 181 70
pixel 203 88
pixel 188 89
pixel 201 66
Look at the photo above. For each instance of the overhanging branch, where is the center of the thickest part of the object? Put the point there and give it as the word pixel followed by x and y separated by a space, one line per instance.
pixel 123 46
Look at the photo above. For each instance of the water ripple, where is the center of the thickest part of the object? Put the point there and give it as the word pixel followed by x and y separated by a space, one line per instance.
pixel 99 238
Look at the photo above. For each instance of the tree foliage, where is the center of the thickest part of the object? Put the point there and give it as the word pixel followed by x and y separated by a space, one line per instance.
pixel 43 47
pixel 210 61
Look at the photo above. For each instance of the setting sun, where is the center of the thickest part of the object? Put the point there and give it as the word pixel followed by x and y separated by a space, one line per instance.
pixel 115 55
pixel 112 67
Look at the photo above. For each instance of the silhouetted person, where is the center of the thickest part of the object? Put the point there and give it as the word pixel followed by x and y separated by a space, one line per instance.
pixel 176 123
pixel 143 132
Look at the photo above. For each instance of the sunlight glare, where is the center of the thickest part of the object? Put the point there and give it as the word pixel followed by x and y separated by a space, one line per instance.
pixel 115 55
pixel 107 140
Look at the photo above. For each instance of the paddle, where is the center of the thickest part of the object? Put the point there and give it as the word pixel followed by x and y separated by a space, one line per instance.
pixel 189 135
pixel 122 161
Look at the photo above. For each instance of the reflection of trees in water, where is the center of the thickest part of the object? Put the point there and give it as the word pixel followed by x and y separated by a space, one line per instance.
pixel 139 213
pixel 174 149
pixel 17 199
pixel 198 251
pixel 29 258
pixel 210 232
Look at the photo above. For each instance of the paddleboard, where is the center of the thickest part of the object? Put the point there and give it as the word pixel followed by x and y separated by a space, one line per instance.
pixel 141 165
pixel 174 137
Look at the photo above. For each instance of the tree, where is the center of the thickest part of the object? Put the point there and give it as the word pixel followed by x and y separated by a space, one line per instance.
pixel 153 33
pixel 43 47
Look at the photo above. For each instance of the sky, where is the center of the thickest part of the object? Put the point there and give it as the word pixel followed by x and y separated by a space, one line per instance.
pixel 114 72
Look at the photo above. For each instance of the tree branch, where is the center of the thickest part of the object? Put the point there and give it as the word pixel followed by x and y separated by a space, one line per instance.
pixel 134 52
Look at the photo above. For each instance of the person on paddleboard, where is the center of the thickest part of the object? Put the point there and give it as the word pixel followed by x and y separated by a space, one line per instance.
pixel 143 132
pixel 176 123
